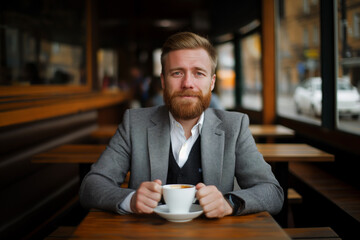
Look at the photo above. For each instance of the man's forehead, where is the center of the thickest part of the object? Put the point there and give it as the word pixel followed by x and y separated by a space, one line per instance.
pixel 198 58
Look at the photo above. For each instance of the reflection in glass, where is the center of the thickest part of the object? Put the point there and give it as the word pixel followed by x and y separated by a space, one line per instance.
pixel 298 59
pixel 348 99
pixel 157 62
pixel 42 43
pixel 251 72
pixel 107 62
pixel 225 75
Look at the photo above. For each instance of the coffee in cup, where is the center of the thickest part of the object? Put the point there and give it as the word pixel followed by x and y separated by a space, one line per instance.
pixel 179 197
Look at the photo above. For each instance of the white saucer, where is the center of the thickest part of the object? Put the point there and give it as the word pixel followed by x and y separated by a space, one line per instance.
pixel 163 211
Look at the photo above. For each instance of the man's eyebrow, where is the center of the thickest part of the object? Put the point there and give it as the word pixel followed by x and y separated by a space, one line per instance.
pixel 176 68
pixel 182 69
pixel 201 69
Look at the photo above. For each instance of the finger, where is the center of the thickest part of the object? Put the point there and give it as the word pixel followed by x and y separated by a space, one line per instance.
pixel 199 185
pixel 205 191
pixel 158 187
pixel 144 203
pixel 158 181
pixel 215 209
pixel 145 207
pixel 153 187
pixel 147 190
pixel 149 202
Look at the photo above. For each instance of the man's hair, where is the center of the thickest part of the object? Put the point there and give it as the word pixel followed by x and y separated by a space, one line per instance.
pixel 188 40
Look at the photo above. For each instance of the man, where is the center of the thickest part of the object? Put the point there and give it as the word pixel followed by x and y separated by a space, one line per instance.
pixel 183 142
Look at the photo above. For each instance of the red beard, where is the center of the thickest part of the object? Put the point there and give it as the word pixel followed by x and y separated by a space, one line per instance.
pixel 187 109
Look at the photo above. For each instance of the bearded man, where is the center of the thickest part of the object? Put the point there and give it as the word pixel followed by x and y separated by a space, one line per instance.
pixel 183 142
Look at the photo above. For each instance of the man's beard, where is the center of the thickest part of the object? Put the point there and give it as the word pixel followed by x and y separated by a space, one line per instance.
pixel 186 109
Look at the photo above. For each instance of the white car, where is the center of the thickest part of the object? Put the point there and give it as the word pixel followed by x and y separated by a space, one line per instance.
pixel 308 97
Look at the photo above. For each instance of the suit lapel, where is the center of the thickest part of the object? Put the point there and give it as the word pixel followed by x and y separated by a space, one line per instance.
pixel 159 144
pixel 212 149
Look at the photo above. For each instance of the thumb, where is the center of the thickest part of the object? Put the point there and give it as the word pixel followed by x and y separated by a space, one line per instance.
pixel 200 185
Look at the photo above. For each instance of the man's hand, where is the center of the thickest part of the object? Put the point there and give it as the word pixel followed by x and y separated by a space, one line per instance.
pixel 146 197
pixel 212 201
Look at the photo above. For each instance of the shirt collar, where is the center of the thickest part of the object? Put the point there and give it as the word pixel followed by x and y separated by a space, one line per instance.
pixel 198 125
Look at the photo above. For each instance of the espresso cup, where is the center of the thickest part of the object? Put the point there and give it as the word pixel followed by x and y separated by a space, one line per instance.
pixel 179 197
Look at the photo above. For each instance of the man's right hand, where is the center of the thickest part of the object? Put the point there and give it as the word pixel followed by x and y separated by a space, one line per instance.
pixel 146 197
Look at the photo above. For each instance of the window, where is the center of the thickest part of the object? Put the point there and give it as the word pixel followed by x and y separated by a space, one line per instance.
pixel 356 25
pixel 298 73
pixel 157 62
pixel 107 61
pixel 306 38
pixel 348 82
pixel 306 6
pixel 250 47
pixel 42 44
pixel 315 36
pixel 225 75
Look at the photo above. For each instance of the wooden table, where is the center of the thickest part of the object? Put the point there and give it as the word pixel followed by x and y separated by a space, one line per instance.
pixel 104 225
pixel 258 131
pixel 271 131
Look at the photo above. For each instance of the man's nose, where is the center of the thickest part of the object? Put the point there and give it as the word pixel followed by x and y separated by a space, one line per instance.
pixel 188 81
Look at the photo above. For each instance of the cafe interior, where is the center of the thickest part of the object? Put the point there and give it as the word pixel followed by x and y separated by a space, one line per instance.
pixel 68 71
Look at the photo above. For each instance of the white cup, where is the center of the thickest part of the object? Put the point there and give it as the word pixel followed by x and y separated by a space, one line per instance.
pixel 179 197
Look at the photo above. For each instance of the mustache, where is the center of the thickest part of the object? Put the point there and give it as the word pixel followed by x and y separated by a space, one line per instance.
pixel 187 93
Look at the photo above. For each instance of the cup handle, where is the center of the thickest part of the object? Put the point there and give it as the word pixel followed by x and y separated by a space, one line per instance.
pixel 195 199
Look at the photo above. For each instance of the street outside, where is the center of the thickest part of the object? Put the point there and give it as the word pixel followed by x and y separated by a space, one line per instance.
pixel 286 108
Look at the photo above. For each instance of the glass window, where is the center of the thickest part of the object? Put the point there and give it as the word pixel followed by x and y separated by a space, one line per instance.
pixel 42 43
pixel 250 47
pixel 306 38
pixel 356 26
pixel 225 75
pixel 316 38
pixel 107 62
pixel 306 6
pixel 157 62
pixel 298 74
pixel 348 82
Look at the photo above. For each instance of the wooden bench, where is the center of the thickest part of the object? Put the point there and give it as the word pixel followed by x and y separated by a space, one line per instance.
pixel 333 194
pixel 337 191
pixel 311 233
pixel 294 197
pixel 62 232
pixel 89 153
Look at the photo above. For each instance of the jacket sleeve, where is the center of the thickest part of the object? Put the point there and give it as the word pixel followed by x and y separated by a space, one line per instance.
pixel 101 186
pixel 259 189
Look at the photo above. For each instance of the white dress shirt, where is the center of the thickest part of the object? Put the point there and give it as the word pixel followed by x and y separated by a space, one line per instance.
pixel 181 147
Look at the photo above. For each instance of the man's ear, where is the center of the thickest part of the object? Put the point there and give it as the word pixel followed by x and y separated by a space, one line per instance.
pixel 162 81
pixel 213 79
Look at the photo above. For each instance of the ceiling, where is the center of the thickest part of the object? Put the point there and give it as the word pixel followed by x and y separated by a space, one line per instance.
pixel 149 23
pixel 133 24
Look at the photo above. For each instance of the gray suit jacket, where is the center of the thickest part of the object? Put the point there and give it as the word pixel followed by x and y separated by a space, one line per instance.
pixel 141 145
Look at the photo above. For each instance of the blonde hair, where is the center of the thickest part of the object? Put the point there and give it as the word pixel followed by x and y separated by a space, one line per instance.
pixel 188 40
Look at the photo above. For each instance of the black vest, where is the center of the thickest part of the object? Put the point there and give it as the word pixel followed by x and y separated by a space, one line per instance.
pixel 191 172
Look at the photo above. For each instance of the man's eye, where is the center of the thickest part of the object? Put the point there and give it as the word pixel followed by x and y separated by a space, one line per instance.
pixel 176 74
pixel 200 74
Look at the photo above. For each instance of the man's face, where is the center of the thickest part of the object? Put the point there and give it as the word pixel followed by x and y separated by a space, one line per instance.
pixel 187 82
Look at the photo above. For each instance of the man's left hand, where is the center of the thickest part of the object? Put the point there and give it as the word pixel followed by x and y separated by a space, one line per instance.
pixel 212 201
